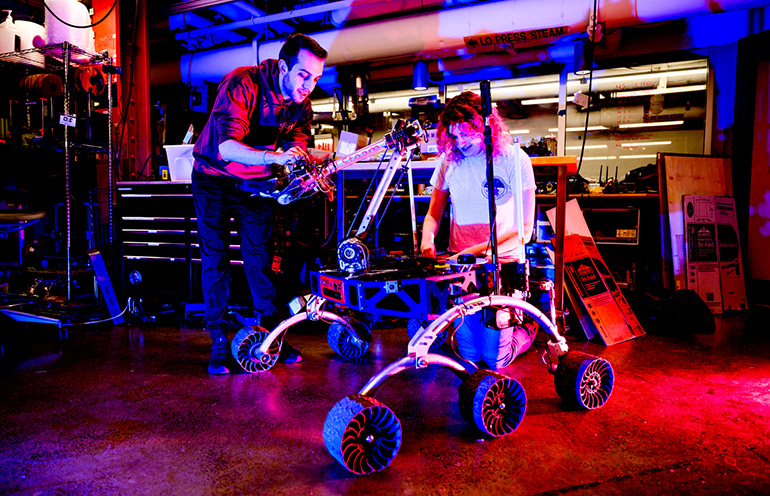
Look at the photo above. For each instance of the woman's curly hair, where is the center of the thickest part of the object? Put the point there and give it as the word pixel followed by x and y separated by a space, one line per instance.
pixel 466 107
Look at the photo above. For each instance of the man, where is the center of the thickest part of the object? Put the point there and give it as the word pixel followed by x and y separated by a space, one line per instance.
pixel 261 117
pixel 463 176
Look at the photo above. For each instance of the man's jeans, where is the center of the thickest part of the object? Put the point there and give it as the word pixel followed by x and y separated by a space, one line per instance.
pixel 217 199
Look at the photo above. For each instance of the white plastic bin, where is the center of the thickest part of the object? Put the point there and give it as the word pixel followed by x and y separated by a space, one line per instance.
pixel 180 161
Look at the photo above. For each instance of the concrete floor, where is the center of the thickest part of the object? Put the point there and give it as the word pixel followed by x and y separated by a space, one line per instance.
pixel 132 410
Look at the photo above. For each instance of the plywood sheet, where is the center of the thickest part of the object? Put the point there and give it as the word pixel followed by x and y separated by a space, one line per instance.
pixel 686 175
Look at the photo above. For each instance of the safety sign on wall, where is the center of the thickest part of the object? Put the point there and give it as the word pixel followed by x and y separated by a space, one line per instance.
pixel 515 38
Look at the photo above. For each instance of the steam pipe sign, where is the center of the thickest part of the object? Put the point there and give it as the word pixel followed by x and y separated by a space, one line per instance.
pixel 513 38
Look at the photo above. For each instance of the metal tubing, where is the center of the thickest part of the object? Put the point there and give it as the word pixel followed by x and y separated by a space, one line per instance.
pixel 110 159
pixel 561 214
pixel 420 343
pixel 295 319
pixel 486 111
pixel 376 382
pixel 413 212
pixel 379 193
pixel 67 54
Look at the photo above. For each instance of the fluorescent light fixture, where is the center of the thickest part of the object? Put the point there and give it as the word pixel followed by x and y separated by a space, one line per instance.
pixel 587 147
pixel 638 156
pixel 323 107
pixel 651 124
pixel 579 128
pixel 644 143
pixel 518 131
pixel 540 101
pixel 659 91
pixel 610 157
pixel 655 75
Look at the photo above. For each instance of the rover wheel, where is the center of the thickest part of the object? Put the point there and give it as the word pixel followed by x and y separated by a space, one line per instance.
pixel 134 309
pixel 413 325
pixel 362 434
pixel 244 348
pixel 493 402
pixel 349 341
pixel 584 380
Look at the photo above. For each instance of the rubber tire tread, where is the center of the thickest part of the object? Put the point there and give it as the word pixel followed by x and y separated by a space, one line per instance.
pixel 337 337
pixel 568 378
pixel 252 337
pixel 339 419
pixel 471 403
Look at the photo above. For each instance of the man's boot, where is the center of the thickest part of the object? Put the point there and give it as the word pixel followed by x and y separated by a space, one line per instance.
pixel 220 351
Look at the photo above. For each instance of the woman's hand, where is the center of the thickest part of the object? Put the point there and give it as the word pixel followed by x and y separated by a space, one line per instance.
pixel 428 247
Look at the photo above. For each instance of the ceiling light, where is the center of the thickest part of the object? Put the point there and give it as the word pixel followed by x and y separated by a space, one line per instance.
pixel 587 147
pixel 518 131
pixel 420 76
pixel 655 75
pixel 540 101
pixel 638 156
pixel 323 107
pixel 611 157
pixel 659 91
pixel 645 143
pixel 651 124
pixel 579 128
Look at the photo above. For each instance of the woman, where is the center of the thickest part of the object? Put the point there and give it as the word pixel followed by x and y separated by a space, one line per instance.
pixel 462 176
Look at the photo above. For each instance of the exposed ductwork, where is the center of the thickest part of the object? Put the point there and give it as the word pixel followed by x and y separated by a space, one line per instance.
pixel 441 33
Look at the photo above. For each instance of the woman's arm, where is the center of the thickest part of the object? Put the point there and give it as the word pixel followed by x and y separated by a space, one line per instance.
pixel 432 222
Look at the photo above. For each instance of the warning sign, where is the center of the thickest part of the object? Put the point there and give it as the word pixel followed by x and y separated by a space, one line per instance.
pixel 516 37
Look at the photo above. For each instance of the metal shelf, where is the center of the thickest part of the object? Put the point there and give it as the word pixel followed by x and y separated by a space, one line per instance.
pixel 55 57
pixel 64 57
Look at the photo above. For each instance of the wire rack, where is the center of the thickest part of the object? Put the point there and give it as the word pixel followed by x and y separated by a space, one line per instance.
pixel 53 57
pixel 65 57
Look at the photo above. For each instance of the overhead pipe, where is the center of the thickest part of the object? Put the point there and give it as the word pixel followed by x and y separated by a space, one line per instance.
pixel 340 17
pixel 441 33
pixel 266 19
pixel 179 21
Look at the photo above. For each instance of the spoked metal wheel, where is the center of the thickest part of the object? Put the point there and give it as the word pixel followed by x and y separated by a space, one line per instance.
pixel 245 346
pixel 584 380
pixel 493 402
pixel 362 434
pixel 413 325
pixel 351 340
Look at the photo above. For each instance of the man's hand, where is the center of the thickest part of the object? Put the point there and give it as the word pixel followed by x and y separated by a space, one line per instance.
pixel 287 158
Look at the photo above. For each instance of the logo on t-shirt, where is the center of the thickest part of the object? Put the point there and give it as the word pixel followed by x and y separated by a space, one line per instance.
pixel 501 189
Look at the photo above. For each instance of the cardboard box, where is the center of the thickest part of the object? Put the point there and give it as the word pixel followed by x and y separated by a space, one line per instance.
pixel 714 263
pixel 596 298
pixel 599 303
pixel 730 261
pixel 701 250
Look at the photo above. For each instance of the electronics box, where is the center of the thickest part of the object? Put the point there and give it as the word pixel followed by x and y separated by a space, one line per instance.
pixel 429 147
pixel 613 226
